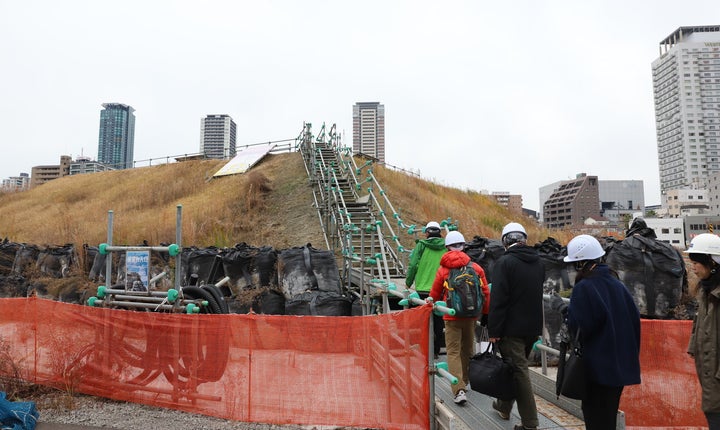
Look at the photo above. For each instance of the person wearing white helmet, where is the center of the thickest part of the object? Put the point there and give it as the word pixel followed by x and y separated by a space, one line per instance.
pixel 459 331
pixel 515 321
pixel 704 253
pixel 608 320
pixel 424 262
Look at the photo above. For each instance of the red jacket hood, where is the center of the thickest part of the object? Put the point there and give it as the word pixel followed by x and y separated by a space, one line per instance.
pixel 453 259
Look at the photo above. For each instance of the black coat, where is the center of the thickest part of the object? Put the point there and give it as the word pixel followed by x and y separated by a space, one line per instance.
pixel 516 296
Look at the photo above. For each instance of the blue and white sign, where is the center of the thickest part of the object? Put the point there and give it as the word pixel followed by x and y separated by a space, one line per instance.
pixel 137 270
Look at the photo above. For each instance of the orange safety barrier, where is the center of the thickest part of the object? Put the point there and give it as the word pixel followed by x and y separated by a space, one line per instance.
pixel 669 395
pixel 369 371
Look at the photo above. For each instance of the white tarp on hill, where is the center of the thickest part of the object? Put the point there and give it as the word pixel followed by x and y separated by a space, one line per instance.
pixel 244 160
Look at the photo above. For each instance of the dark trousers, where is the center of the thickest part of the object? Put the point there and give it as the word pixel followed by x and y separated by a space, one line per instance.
pixel 713 419
pixel 438 327
pixel 518 349
pixel 600 406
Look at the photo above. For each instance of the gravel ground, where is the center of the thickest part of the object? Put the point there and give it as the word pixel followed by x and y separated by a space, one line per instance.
pixel 98 412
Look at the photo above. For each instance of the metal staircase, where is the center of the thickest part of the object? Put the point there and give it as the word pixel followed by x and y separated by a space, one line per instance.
pixel 352 211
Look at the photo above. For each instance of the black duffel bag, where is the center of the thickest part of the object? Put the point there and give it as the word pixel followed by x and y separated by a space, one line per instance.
pixel 491 374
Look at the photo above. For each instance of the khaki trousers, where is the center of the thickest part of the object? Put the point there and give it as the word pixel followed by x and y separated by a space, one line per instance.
pixel 460 346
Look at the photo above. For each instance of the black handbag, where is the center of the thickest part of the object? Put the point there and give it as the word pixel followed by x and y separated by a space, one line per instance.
pixel 491 374
pixel 571 377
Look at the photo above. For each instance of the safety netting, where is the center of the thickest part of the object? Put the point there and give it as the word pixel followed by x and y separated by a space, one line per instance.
pixel 362 371
pixel 669 395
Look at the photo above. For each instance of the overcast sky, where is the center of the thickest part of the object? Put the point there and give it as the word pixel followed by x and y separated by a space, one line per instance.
pixel 497 96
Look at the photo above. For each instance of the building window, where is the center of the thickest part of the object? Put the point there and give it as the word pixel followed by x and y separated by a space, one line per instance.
pixel 665 230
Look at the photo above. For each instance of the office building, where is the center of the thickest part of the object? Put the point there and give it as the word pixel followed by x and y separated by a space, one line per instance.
pixel 116 144
pixel 544 194
pixel 16 183
pixel 669 230
pixel 686 87
pixel 698 224
pixel 617 199
pixel 218 136
pixel 685 202
pixel 41 174
pixel 620 199
pixel 369 130
pixel 84 164
pixel 572 203
pixel 513 202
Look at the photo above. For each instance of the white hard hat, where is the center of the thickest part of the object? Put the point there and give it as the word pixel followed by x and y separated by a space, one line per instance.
pixel 454 238
pixel 513 227
pixel 432 224
pixel 704 243
pixel 583 247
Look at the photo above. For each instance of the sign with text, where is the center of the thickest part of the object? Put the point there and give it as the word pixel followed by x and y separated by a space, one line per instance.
pixel 137 270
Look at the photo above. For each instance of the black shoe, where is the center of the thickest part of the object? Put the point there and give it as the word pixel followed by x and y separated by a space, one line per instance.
pixel 503 415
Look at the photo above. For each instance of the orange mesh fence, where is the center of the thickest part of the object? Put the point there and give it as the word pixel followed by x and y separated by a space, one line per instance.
pixel 669 395
pixel 367 371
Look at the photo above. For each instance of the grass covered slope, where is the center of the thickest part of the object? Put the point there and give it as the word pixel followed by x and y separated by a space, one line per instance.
pixel 271 204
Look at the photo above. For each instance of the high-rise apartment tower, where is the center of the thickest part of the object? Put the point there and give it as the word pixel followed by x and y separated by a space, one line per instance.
pixel 686 85
pixel 116 144
pixel 369 130
pixel 218 136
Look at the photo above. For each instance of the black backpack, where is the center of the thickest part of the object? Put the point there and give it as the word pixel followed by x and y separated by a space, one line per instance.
pixel 464 294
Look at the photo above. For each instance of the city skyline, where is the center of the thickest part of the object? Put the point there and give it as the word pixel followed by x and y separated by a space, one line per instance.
pixel 501 97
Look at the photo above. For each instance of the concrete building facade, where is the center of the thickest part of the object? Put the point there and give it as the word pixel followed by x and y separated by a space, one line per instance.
pixel 572 203
pixel 83 165
pixel 116 143
pixel 684 202
pixel 668 230
pixel 41 174
pixel 713 189
pixel 16 183
pixel 369 130
pixel 218 136
pixel 512 202
pixel 696 224
pixel 686 87
pixel 620 198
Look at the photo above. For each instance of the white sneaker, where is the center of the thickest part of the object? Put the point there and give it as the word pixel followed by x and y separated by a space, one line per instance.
pixel 460 397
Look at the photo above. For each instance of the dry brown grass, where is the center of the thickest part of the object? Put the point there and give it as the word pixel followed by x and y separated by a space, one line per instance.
pixel 258 208
pixel 419 201
pixel 270 205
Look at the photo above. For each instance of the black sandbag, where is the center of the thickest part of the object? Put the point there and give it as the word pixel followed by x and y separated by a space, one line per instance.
pixel 13 286
pixel 305 268
pixel 323 303
pixel 249 266
pixel 653 271
pixel 270 302
pixel 485 252
pixel 262 300
pixel 56 261
pixel 8 250
pixel 559 275
pixel 202 262
pixel 25 258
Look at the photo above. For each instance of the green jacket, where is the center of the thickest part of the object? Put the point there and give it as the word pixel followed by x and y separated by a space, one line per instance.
pixel 424 263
